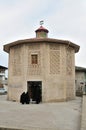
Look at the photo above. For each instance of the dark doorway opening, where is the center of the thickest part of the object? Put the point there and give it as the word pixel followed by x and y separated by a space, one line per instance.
pixel 34 89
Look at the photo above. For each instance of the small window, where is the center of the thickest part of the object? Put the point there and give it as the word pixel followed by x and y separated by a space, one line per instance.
pixel 34 59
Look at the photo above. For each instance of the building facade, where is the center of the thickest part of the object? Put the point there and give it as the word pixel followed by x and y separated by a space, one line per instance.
pixel 80 80
pixel 42 64
pixel 3 80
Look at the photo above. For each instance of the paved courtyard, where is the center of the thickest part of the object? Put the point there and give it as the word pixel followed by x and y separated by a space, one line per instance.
pixel 44 116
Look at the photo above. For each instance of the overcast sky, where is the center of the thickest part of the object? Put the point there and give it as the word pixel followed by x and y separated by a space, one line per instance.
pixel 65 19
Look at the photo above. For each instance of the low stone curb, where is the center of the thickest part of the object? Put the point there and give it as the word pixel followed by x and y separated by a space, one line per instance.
pixel 83 115
pixel 30 128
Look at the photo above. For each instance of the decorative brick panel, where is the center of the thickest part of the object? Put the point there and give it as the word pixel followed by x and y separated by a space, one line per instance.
pixel 69 62
pixel 34 69
pixel 32 47
pixel 54 59
pixel 16 60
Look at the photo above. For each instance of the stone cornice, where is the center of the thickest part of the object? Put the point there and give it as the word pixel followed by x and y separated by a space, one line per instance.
pixel 41 40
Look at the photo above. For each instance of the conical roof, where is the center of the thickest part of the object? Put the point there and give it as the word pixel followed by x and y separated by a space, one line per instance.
pixel 41 28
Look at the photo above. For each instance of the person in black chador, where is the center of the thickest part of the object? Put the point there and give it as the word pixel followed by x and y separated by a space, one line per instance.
pixel 27 98
pixel 38 96
pixel 22 98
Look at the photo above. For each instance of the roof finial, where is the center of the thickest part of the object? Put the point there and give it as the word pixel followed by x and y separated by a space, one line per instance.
pixel 41 22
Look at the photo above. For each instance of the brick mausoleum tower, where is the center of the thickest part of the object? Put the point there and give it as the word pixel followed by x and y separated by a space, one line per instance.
pixel 42 63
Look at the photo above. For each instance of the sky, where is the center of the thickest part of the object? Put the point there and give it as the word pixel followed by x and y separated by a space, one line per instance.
pixel 65 19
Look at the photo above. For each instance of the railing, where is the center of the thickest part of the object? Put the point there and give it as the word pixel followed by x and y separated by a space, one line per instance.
pixel 2 74
pixel 3 81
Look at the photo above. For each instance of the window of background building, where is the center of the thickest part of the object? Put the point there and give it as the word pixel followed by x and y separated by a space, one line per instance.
pixel 34 59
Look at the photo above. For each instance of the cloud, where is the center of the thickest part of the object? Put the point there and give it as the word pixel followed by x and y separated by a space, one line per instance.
pixel 69 19
pixel 20 15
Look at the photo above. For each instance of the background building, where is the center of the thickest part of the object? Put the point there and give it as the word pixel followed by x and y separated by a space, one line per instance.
pixel 80 79
pixel 3 79
pixel 42 66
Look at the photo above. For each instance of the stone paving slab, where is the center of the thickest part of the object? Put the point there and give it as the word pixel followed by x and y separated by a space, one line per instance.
pixel 45 116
